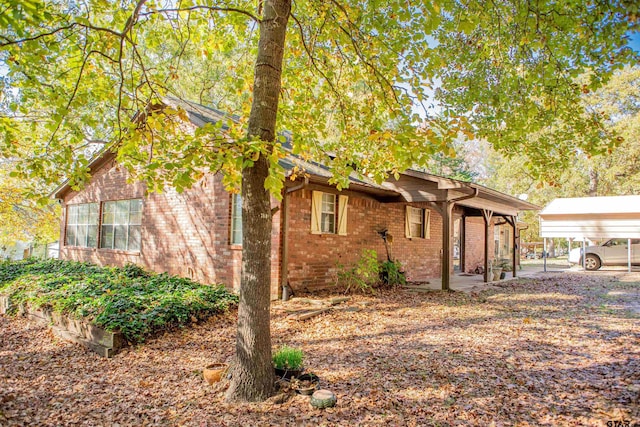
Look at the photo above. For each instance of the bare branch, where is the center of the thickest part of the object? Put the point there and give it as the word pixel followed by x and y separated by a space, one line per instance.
pixel 10 42
pixel 203 7
pixel 315 66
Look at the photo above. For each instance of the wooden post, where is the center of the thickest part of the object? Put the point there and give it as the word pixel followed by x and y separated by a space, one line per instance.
pixel 629 254
pixel 463 238
pixel 447 210
pixel 513 222
pixel 487 221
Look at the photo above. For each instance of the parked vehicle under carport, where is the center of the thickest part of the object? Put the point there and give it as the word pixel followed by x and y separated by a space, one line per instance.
pixel 611 252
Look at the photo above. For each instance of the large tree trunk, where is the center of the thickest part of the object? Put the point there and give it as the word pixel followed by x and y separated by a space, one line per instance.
pixel 253 377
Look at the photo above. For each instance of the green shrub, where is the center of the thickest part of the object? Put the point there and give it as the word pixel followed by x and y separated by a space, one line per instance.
pixel 288 358
pixel 129 300
pixel 391 273
pixel 363 276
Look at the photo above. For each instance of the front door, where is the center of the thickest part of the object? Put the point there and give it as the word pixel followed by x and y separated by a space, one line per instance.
pixel 456 244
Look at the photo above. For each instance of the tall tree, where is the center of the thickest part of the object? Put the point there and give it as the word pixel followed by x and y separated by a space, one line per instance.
pixel 353 91
pixel 23 219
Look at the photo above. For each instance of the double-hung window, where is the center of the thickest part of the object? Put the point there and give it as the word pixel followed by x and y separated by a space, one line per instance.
pixel 121 225
pixel 236 219
pixel 328 213
pixel 417 223
pixel 82 225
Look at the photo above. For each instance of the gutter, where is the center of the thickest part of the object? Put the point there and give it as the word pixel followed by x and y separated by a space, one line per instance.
pixel 476 191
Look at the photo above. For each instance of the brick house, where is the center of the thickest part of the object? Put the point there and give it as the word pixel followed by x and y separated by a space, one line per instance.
pixel 197 233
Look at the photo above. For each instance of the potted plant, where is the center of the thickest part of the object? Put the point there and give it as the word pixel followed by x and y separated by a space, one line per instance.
pixel 496 270
pixel 287 362
pixel 506 267
pixel 305 384
pixel 214 372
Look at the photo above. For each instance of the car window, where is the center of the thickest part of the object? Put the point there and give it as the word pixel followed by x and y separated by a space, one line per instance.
pixel 616 242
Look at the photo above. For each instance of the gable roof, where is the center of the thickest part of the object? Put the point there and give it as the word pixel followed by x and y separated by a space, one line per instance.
pixel 424 188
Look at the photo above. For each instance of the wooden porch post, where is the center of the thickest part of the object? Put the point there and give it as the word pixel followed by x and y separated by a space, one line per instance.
pixel 487 220
pixel 463 239
pixel 516 249
pixel 446 209
pixel 513 222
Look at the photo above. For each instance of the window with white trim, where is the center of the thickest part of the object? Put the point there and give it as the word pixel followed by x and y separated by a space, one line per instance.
pixel 82 225
pixel 236 219
pixel 121 222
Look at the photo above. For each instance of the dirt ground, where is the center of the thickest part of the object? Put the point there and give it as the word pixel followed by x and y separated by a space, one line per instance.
pixel 563 349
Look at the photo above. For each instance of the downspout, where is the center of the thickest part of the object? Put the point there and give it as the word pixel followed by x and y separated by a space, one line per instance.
pixel 284 262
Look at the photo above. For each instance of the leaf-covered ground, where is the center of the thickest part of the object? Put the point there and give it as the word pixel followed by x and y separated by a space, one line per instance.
pixel 560 350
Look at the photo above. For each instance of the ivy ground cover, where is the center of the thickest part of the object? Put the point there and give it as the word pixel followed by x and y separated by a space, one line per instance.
pixel 129 300
pixel 559 350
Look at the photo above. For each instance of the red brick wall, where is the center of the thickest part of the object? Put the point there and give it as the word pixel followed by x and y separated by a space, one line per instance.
pixel 474 243
pixel 313 258
pixel 185 234
pixel 188 234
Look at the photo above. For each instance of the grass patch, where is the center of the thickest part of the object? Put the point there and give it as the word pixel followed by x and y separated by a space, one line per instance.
pixel 126 299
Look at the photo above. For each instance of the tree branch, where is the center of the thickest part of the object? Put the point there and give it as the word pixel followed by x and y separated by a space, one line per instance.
pixel 10 42
pixel 203 7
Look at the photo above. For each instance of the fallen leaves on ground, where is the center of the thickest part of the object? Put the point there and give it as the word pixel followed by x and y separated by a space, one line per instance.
pixel 558 350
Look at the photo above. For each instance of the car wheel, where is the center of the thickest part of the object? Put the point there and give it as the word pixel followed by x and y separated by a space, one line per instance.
pixel 592 262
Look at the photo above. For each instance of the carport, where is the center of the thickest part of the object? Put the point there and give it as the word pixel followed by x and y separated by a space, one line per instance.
pixel 592 217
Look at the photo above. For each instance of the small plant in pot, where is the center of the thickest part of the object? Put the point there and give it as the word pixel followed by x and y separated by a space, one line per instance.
pixel 287 362
pixel 305 384
pixel 505 264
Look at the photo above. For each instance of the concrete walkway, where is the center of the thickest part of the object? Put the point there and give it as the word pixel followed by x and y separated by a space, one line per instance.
pixel 470 283
pixel 467 283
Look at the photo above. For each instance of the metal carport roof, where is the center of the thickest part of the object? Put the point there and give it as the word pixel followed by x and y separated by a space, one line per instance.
pixel 592 217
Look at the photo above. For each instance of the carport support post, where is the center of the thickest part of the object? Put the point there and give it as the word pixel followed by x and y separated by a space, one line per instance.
pixel 544 254
pixel 629 254
pixel 584 249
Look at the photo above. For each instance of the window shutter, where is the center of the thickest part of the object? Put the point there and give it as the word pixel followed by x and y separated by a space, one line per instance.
pixel 316 211
pixel 407 222
pixel 427 224
pixel 342 215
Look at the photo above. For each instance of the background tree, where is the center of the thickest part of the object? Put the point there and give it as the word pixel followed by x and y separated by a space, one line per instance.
pixel 355 77
pixel 22 218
